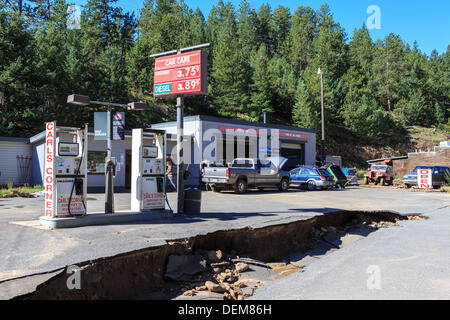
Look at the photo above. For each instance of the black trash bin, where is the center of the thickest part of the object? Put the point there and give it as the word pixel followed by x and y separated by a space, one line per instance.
pixel 192 201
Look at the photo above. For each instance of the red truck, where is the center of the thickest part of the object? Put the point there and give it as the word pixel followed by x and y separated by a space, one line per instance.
pixel 380 173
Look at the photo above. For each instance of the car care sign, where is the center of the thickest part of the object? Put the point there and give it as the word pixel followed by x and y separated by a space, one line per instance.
pixel 424 179
pixel 49 172
pixel 181 74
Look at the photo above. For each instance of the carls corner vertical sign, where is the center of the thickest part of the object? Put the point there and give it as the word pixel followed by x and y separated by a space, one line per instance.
pixel 49 169
pixel 118 126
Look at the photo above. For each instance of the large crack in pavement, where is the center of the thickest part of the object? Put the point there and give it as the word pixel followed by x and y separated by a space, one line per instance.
pixel 226 264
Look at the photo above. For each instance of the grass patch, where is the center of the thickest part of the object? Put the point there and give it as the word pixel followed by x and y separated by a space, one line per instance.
pixel 9 191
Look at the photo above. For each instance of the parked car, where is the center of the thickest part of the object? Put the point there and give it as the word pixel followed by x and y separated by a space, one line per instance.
pixel 246 173
pixel 311 178
pixel 380 173
pixel 351 175
pixel 438 176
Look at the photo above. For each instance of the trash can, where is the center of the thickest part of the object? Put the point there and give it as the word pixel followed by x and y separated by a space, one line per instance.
pixel 192 201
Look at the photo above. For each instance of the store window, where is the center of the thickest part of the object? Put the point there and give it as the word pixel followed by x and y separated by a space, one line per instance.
pixel 96 162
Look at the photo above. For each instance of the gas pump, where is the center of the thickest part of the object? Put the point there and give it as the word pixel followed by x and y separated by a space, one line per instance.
pixel 65 180
pixel 148 170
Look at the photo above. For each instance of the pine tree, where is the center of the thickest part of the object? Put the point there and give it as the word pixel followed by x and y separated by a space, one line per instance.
pixel 305 113
pixel 389 71
pixel 229 71
pixel 302 34
pixel 261 91
pixel 281 20
pixel 19 77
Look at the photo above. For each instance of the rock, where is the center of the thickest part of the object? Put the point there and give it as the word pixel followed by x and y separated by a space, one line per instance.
pixel 201 288
pixel 241 267
pixel 214 287
pixel 217 270
pixel 282 269
pixel 232 294
pixel 332 229
pixel 226 286
pixel 188 293
pixel 241 283
pixel 240 297
pixel 215 255
pixel 182 268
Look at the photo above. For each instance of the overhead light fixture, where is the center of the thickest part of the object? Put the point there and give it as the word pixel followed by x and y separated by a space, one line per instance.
pixel 78 100
pixel 137 106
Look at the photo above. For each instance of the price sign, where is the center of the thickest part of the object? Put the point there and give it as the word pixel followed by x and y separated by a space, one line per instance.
pixel 181 74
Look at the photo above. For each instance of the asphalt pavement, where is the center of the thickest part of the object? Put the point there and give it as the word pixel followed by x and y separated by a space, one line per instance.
pixel 27 248
pixel 405 262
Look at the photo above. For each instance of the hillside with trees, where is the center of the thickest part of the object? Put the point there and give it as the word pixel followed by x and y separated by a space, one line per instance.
pixel 260 60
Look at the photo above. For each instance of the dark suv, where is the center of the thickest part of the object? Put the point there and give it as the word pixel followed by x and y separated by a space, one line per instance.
pixel 438 176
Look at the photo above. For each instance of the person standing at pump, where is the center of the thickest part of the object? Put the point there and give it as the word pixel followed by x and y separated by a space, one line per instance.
pixel 169 172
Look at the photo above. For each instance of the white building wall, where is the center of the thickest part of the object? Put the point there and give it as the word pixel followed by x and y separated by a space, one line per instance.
pixel 9 164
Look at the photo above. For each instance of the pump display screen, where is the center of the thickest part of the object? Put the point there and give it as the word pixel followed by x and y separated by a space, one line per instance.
pixel 68 149
pixel 149 152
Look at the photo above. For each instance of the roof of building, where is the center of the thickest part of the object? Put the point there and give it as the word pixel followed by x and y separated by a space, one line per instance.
pixel 15 139
pixel 238 122
pixel 391 158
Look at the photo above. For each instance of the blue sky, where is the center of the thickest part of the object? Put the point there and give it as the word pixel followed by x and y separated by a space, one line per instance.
pixel 428 22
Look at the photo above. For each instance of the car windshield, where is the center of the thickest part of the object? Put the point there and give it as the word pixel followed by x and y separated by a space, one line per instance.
pixel 378 168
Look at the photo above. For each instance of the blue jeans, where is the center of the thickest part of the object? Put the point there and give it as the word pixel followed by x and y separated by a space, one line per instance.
pixel 170 184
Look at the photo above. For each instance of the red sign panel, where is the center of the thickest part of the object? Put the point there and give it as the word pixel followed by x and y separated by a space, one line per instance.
pixel 293 135
pixel 180 74
pixel 239 130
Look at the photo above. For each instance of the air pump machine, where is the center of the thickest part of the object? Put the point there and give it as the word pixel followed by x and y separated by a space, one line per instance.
pixel 148 170
pixel 65 174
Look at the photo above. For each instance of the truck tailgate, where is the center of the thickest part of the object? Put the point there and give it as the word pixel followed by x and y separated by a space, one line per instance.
pixel 215 172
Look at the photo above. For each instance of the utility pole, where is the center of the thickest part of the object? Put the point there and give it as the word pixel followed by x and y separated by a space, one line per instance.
pixel 180 114
pixel 323 115
pixel 180 161
pixel 109 183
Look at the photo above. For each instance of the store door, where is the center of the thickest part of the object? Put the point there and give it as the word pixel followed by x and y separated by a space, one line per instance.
pixel 128 169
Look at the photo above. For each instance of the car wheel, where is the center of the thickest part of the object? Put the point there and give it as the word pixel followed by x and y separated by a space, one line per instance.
pixel 284 185
pixel 383 181
pixel 240 186
pixel 408 186
pixel 391 181
pixel 311 186
pixel 366 180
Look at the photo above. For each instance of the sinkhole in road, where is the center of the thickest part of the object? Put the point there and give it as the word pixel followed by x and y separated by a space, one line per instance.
pixel 222 265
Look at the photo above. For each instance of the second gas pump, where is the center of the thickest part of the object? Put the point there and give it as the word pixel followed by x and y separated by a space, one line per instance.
pixel 148 170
